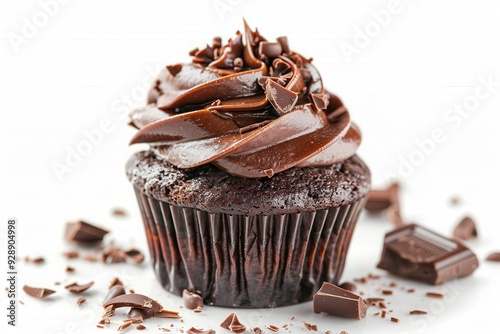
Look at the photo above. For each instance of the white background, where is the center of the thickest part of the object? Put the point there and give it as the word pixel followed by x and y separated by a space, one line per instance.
pixel 90 61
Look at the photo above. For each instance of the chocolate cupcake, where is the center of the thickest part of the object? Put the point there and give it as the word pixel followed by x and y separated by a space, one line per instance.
pixel 251 188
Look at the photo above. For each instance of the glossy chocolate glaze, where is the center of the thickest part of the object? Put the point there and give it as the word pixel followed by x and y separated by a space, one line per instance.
pixel 252 108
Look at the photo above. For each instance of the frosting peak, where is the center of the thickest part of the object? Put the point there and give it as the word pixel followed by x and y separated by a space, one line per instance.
pixel 252 108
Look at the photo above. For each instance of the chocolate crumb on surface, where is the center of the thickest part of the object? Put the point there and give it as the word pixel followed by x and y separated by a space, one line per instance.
pixel 310 327
pixel 348 286
pixel 434 295
pixel 77 288
pixel 273 328
pixel 70 269
pixel 39 293
pixel 394 319
pixel 493 257
pixel 387 292
pixel 417 312
pixel 71 254
pixel 119 212
pixel 410 290
pixel 466 229
pixel 194 330
pixel 383 313
pixel 80 301
pixel 140 327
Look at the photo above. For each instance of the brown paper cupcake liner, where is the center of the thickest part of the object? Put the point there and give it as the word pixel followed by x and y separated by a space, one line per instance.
pixel 247 261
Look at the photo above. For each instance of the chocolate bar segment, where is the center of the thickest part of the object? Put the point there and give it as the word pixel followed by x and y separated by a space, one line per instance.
pixel 415 252
pixel 337 301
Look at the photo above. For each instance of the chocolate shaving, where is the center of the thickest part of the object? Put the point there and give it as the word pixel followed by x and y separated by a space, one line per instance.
pixel 80 301
pixel 135 255
pixel 115 281
pixel 167 314
pixel 257 330
pixel 39 293
pixel 194 330
pixel 114 291
pixel 320 101
pixel 310 327
pixel 174 69
pixel 126 324
pixel 134 300
pixel 140 327
pixel 76 288
pixel 466 229
pixel 233 324
pixel 417 312
pixel 273 328
pixel 282 99
pixel 494 257
pixel 82 231
pixel 283 40
pixel 434 295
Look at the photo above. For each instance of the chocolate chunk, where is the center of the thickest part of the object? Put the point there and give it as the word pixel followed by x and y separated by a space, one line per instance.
pixel 348 286
pixel 283 100
pixel 174 69
pixel 76 288
pixel 417 312
pixel 494 257
pixel 39 293
pixel 192 300
pixel 233 324
pixel 80 301
pixel 466 229
pixel 337 301
pixel 394 319
pixel 194 330
pixel 114 291
pixel 84 232
pixel 415 252
pixel 381 199
pixel 283 40
pixel 320 101
pixel 134 300
pixel 270 49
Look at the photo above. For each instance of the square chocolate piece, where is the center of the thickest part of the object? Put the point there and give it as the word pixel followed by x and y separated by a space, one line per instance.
pixel 415 252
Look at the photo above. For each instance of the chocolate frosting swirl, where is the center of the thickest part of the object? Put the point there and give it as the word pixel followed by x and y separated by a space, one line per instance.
pixel 252 109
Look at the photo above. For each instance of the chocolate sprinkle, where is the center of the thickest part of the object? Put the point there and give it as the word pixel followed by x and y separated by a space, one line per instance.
pixel 39 293
pixel 466 229
pixel 417 312
pixel 394 319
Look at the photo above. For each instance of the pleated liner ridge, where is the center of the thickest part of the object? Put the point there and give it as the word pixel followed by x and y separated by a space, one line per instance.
pixel 247 261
